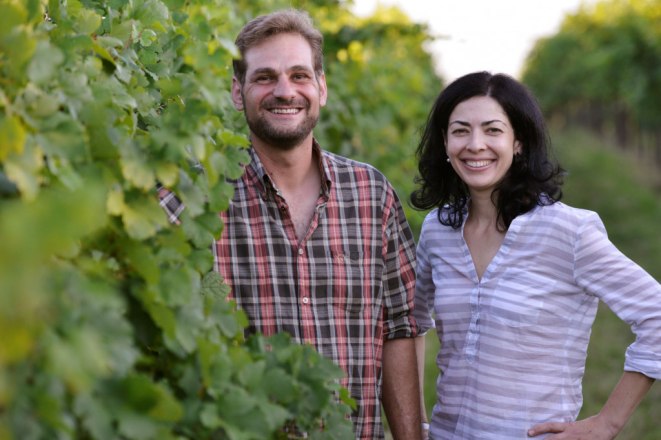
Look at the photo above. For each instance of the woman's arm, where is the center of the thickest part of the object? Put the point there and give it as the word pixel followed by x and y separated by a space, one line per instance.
pixel 622 402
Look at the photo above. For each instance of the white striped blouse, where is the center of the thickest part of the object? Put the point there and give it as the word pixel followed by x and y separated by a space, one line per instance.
pixel 514 344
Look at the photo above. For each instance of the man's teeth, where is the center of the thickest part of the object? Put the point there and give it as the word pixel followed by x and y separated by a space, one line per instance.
pixel 284 111
pixel 477 163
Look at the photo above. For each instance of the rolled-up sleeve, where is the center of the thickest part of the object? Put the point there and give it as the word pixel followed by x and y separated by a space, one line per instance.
pixel 424 287
pixel 399 272
pixel 630 292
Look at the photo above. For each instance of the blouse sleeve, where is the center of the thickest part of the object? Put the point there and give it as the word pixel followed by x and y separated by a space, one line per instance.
pixel 630 292
pixel 424 287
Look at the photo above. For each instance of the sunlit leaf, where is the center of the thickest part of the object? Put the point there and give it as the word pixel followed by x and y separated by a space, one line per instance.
pixel 13 136
pixel 115 202
pixel 87 21
pixel 18 47
pixel 167 174
pixel 22 170
pixel 138 172
pixel 11 15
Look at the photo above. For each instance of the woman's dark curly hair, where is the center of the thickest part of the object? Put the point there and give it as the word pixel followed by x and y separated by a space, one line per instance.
pixel 533 179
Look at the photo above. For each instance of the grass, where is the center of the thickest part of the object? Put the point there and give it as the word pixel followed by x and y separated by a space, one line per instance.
pixel 627 196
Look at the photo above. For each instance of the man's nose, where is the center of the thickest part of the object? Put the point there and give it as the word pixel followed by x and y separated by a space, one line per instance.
pixel 284 89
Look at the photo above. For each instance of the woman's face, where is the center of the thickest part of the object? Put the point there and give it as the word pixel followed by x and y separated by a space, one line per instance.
pixel 480 143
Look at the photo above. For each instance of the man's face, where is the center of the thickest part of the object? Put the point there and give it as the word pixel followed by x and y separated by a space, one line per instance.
pixel 281 95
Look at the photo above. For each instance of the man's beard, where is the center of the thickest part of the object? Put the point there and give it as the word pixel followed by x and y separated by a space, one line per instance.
pixel 279 137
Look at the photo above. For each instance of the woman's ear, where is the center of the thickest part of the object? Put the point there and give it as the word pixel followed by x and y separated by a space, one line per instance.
pixel 517 147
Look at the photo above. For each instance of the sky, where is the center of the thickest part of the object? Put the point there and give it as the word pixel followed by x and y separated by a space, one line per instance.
pixel 493 35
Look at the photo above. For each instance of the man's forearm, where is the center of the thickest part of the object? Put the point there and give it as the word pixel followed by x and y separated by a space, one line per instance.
pixel 401 396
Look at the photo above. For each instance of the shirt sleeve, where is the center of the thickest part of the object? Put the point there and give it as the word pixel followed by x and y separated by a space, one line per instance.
pixel 399 272
pixel 170 203
pixel 424 287
pixel 630 292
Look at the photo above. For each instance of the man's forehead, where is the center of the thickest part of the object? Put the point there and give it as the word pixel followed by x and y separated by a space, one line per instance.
pixel 280 52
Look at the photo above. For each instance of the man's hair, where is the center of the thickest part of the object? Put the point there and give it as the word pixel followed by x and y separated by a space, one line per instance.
pixel 288 21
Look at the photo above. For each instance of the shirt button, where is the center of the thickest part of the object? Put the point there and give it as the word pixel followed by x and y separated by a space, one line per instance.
pixel 300 251
pixel 306 300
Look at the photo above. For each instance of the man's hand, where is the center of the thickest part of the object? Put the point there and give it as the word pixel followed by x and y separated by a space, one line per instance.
pixel 592 428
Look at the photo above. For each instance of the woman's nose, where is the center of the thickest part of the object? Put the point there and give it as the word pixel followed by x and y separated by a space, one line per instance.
pixel 476 142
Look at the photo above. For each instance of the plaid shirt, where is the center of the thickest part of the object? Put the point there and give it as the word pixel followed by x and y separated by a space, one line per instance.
pixel 345 288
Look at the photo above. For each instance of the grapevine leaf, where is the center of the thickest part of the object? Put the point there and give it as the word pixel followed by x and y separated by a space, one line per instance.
pixel 13 136
pixel 47 58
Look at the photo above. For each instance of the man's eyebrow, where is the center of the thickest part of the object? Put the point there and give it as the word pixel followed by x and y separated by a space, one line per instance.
pixel 301 67
pixel 262 70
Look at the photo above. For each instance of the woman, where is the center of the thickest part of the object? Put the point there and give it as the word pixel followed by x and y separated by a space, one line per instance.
pixel 513 277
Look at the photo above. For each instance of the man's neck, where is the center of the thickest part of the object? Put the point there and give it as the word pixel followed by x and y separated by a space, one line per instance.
pixel 289 169
pixel 297 177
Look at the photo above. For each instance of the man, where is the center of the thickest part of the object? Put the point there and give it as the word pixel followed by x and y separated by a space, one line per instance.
pixel 314 244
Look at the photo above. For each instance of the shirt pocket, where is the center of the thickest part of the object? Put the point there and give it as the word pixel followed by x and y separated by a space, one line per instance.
pixel 520 297
pixel 349 281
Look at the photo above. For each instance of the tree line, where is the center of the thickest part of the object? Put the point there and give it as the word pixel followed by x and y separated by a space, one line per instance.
pixel 602 71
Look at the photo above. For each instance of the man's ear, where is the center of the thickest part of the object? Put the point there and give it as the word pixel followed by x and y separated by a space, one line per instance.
pixel 237 96
pixel 323 89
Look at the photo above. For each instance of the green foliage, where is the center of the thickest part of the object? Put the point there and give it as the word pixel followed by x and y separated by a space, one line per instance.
pixel 607 56
pixel 113 324
pixel 626 196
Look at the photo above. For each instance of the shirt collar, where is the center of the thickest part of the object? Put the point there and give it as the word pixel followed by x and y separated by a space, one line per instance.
pixel 267 186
